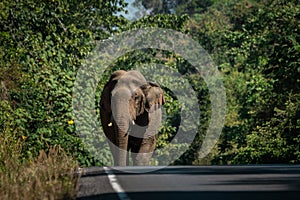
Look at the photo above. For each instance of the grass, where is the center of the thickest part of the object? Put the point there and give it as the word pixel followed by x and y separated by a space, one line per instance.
pixel 49 176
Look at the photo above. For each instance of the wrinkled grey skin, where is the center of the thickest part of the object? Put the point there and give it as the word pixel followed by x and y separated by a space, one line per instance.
pixel 130 110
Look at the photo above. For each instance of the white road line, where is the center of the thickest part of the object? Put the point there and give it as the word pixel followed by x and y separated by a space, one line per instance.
pixel 115 185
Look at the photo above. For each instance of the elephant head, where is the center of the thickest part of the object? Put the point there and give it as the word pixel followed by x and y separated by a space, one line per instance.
pixel 128 100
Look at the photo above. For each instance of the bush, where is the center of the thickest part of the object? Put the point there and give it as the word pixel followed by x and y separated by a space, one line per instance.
pixel 49 176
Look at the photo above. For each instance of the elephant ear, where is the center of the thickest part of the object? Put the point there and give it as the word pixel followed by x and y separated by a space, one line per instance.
pixel 161 99
pixel 137 103
pixel 154 96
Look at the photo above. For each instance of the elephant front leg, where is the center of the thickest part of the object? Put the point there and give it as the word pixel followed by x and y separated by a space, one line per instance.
pixel 143 150
pixel 109 129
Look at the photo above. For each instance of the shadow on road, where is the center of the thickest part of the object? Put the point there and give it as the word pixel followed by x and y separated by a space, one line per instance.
pixel 200 195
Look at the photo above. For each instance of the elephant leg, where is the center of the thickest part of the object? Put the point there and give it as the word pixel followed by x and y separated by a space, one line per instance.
pixel 142 150
pixel 145 130
pixel 113 146
pixel 148 142
pixel 118 153
pixel 109 131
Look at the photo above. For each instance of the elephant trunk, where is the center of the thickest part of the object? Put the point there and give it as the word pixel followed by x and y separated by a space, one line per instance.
pixel 120 111
pixel 122 144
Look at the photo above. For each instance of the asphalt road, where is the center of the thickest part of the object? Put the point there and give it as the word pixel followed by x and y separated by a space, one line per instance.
pixel 192 182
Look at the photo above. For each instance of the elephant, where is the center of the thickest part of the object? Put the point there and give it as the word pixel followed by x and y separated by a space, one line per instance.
pixel 130 112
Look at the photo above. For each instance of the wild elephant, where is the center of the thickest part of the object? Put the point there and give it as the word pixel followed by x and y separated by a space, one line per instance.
pixel 130 111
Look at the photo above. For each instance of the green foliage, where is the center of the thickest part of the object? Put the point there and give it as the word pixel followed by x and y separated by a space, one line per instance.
pixel 254 47
pixel 50 175
pixel 180 7
pixel 254 43
pixel 280 143
pixel 192 7
pixel 168 21
pixel 43 46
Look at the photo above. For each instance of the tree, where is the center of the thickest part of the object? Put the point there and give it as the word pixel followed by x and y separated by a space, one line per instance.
pixel 43 44
pixel 265 48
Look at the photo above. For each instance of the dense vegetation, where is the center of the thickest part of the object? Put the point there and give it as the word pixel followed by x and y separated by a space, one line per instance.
pixel 255 45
